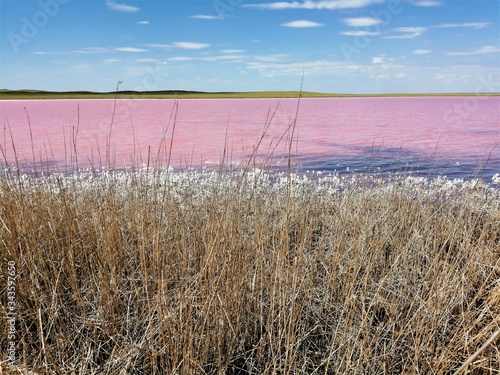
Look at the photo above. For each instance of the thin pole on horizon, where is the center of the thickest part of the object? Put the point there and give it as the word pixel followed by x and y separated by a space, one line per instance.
pixel 114 105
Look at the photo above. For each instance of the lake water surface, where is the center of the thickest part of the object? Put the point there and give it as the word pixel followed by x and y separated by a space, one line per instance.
pixel 455 136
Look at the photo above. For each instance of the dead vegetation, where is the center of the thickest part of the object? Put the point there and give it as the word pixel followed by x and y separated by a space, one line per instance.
pixel 155 272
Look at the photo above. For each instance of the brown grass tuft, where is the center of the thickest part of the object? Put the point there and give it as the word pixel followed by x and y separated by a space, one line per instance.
pixel 154 272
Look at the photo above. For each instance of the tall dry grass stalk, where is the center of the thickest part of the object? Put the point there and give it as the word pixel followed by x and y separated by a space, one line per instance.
pixel 155 272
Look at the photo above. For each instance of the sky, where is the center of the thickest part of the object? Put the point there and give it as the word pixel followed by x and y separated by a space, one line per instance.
pixel 331 46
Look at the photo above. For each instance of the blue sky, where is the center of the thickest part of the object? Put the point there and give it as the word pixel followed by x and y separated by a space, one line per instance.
pixel 344 46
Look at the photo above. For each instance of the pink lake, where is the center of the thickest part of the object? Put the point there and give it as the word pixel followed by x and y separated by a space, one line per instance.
pixel 456 136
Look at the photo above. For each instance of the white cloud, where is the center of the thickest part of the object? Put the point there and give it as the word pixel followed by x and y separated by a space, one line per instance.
pixel 469 74
pixel 160 46
pixel 232 51
pixel 302 23
pixel 121 7
pixel 479 51
pixel 205 17
pixel 130 49
pixel 271 58
pixel 328 69
pixel 361 21
pixel 272 69
pixel 382 76
pixel 91 50
pixel 427 3
pixel 315 4
pixel 232 58
pixel 475 25
pixel 414 32
pixel 50 53
pixel 385 62
pixel 191 45
pixel 143 23
pixel 146 60
pixel 179 58
pixel 407 32
pixel 183 45
pixel 360 33
pixel 422 52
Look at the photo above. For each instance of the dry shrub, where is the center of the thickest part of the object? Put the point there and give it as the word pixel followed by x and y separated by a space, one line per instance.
pixel 155 272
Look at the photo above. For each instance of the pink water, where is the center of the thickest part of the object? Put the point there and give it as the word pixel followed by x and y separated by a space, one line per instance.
pixel 452 134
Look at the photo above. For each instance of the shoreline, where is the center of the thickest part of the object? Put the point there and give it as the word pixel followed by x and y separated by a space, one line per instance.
pixel 180 94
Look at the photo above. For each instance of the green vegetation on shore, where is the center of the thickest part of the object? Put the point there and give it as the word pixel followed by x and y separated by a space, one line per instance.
pixel 181 94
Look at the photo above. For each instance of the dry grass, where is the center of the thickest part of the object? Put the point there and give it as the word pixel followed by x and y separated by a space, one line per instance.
pixel 154 272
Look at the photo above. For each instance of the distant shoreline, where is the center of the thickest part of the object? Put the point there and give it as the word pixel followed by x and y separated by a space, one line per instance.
pixel 182 94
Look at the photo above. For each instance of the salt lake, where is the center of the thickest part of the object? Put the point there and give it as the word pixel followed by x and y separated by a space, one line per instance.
pixel 455 136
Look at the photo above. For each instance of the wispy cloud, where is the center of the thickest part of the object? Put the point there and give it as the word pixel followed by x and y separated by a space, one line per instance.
pixel 381 68
pixel 384 64
pixel 229 58
pixel 143 23
pixel 475 25
pixel 360 33
pixel 146 60
pixel 191 45
pixel 92 50
pixel 50 53
pixel 182 45
pixel 385 76
pixel 302 23
pixel 407 32
pixel 427 3
pixel 384 61
pixel 179 58
pixel 130 49
pixel 422 52
pixel 413 32
pixel 205 17
pixel 315 4
pixel 361 21
pixel 480 51
pixel 271 58
pixel 377 71
pixel 232 51
pixel 159 46
pixel 121 7
pixel 273 69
